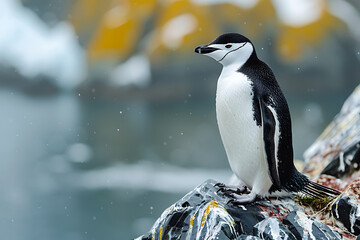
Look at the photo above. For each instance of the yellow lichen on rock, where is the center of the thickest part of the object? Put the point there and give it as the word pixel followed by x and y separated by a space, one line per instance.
pixel 116 27
pixel 211 205
pixel 180 25
pixel 120 27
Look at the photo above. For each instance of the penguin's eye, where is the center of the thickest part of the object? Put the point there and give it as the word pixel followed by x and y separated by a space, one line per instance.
pixel 228 46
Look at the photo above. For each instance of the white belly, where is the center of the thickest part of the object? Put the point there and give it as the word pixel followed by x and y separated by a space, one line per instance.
pixel 241 137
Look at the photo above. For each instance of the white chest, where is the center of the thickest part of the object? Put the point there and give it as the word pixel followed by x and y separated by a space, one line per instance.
pixel 234 112
pixel 241 137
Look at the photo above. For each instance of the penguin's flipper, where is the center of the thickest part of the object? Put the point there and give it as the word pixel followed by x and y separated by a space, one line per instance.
pixel 268 130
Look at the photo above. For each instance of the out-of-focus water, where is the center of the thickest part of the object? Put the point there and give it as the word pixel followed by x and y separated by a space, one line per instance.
pixel 76 168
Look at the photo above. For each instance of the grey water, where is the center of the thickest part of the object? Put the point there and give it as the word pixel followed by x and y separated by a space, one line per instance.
pixel 75 168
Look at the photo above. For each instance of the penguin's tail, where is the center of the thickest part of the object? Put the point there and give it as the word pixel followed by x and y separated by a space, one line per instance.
pixel 319 191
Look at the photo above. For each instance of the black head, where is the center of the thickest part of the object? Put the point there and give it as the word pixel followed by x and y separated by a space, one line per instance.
pixel 228 49
pixel 230 38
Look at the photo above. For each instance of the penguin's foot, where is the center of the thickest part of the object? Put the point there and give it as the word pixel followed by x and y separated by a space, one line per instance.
pixel 231 191
pixel 219 184
pixel 243 198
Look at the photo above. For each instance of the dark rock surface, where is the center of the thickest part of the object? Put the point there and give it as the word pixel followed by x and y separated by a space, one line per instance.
pixel 305 227
pixel 346 208
pixel 205 214
pixel 247 237
pixel 346 163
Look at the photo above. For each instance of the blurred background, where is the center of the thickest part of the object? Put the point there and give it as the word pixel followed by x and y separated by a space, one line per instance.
pixel 107 116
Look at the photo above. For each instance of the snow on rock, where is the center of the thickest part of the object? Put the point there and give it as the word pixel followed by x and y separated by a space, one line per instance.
pixel 135 71
pixel 33 48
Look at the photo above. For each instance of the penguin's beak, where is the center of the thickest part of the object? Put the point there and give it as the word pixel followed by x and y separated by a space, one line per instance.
pixel 205 49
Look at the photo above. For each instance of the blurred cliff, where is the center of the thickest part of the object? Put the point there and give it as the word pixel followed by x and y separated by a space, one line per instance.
pixel 149 44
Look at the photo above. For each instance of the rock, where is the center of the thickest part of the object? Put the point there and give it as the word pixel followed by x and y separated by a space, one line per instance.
pixel 205 214
pixel 247 237
pixel 337 151
pixel 346 208
pixel 331 181
pixel 272 229
pixel 245 217
pixel 304 227
pixel 346 163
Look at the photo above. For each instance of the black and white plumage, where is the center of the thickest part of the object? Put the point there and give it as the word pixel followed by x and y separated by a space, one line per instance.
pixel 254 121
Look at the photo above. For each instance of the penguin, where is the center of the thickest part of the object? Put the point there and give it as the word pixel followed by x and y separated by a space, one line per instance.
pixel 254 123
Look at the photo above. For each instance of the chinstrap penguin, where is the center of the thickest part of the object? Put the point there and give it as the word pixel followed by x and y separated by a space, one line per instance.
pixel 254 123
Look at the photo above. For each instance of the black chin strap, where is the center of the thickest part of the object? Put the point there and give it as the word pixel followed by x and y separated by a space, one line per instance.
pixel 232 51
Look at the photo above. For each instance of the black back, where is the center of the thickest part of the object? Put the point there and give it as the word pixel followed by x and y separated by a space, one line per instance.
pixel 265 87
pixel 230 38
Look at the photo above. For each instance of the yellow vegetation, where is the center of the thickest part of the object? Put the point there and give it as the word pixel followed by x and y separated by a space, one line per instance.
pixel 294 41
pixel 181 24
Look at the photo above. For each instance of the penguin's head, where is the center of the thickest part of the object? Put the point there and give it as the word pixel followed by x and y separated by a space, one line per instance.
pixel 228 49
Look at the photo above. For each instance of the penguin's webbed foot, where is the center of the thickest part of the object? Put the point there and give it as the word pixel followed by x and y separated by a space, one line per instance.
pixel 243 199
pixel 219 184
pixel 231 191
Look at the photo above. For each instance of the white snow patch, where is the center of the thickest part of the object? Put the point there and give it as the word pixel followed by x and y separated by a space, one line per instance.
pixel 176 29
pixel 135 71
pixel 246 4
pixel 298 13
pixel 33 48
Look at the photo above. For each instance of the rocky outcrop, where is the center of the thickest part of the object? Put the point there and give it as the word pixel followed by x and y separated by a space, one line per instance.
pixel 333 160
pixel 205 213
pixel 346 208
pixel 305 227
pixel 337 151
